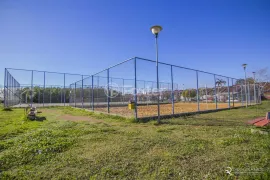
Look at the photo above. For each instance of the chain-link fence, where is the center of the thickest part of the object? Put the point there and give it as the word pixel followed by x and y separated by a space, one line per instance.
pixel 39 88
pixel 130 89
pixel 180 90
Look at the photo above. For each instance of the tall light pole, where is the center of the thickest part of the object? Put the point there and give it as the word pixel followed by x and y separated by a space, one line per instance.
pixel 155 30
pixel 255 98
pixel 245 66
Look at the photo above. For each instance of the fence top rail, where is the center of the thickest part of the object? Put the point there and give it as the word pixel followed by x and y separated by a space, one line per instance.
pixel 94 75
pixel 46 72
pixel 146 81
pixel 114 66
pixel 185 68
pixel 107 69
pixel 41 85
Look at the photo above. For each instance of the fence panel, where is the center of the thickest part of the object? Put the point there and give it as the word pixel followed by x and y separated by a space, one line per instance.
pixel 207 92
pixel 168 90
pixel 70 82
pixel 147 89
pixel 186 90
pixel 223 92
pixel 38 88
pixel 101 101
pixel 120 88
pixel 165 89
pixel 72 95
pixel 21 77
pixel 12 88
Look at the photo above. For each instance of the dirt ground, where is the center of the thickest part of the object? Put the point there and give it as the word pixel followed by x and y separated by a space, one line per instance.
pixel 165 109
pixel 69 117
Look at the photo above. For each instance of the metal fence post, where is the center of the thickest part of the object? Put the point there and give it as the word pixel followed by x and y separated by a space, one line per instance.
pixel 255 98
pixel 135 90
pixel 229 96
pixel 15 87
pixel 92 93
pixel 248 94
pixel 19 88
pixel 157 69
pixel 5 93
pixel 64 89
pixel 123 99
pixel 50 94
pixel 32 88
pixel 11 90
pixel 259 94
pixel 98 99
pixel 75 95
pixel 233 91
pixel 172 92
pixel 198 98
pixel 44 87
pixel 38 95
pixel 61 93
pixel 242 97
pixel 108 90
pixel 9 82
pixel 206 95
pixel 215 91
pixel 69 102
pixel 82 94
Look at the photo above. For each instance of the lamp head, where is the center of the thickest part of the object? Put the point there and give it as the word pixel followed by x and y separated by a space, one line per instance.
pixel 156 29
pixel 244 66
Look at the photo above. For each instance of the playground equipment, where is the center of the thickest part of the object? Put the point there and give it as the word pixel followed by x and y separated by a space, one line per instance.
pixel 31 114
pixel 261 121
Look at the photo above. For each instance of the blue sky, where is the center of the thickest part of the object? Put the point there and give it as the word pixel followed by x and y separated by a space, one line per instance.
pixel 85 36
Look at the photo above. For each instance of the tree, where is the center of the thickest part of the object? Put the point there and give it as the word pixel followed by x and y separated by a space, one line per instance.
pixel 189 94
pixel 262 75
pixel 250 80
pixel 165 95
pixel 263 78
pixel 220 82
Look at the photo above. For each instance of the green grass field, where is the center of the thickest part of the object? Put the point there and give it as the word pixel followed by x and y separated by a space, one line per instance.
pixel 70 143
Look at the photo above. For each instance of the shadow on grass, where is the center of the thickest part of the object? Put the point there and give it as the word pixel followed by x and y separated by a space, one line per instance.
pixel 7 109
pixel 201 122
pixel 41 118
pixel 38 118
